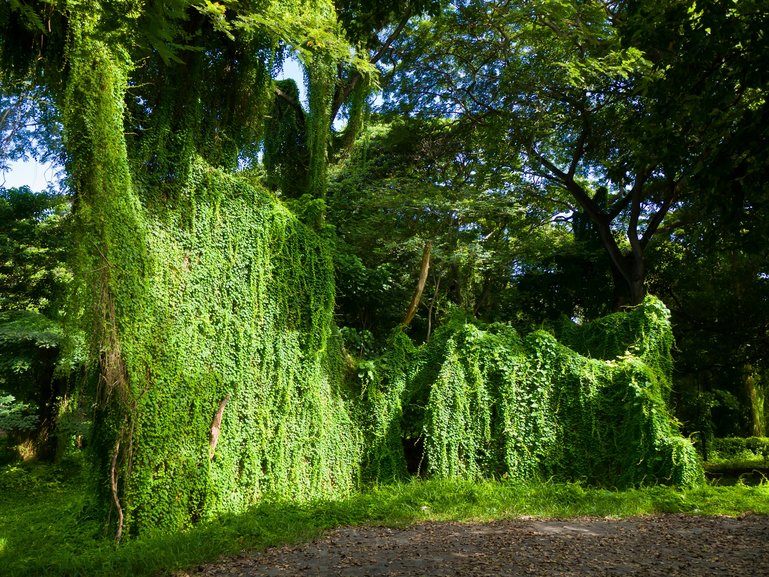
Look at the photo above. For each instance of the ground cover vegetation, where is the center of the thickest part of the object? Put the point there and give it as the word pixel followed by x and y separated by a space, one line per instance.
pixel 432 256
pixel 50 526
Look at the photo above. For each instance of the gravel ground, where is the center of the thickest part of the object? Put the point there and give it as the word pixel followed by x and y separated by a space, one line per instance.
pixel 666 545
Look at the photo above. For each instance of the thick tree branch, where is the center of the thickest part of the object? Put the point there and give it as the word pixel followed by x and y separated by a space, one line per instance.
pixel 288 99
pixel 420 285
pixel 659 216
pixel 345 89
pixel 392 37
pixel 579 194
pixel 600 219
pixel 621 204
pixel 579 151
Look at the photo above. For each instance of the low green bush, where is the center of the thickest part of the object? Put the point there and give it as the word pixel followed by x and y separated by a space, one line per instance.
pixel 739 449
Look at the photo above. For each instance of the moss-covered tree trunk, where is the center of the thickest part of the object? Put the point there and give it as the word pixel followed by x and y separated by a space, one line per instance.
pixel 110 249
pixel 320 76
pixel 218 380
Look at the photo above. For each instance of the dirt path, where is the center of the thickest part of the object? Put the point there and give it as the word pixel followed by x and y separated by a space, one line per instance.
pixel 665 545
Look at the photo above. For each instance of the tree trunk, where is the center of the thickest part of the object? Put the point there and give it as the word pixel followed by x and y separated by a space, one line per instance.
pixel 46 442
pixel 752 380
pixel 41 443
pixel 629 282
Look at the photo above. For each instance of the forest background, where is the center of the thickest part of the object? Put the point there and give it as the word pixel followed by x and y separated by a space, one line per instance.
pixel 458 172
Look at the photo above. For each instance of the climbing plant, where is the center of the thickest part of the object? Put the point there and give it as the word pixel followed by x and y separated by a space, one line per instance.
pixel 234 380
pixel 209 309
pixel 285 142
pixel 320 80
pixel 214 326
pixel 486 402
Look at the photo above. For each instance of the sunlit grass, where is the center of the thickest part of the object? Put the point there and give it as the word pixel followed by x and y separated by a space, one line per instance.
pixel 50 527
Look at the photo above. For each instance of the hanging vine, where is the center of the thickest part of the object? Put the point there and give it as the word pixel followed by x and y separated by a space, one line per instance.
pixel 487 403
pixel 321 74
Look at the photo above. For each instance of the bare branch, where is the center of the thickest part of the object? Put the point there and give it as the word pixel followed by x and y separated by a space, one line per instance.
pixel 425 268
pixel 392 37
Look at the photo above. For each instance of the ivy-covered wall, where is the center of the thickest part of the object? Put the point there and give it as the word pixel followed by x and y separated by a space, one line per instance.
pixel 485 402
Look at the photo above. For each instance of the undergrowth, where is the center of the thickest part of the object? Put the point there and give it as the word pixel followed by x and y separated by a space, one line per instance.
pixel 47 525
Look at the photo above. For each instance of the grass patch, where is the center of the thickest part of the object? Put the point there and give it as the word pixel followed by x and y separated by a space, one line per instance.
pixel 741 462
pixel 48 524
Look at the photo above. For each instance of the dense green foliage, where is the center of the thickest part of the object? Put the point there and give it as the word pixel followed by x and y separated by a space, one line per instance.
pixel 484 402
pixel 285 143
pixel 29 348
pixel 496 254
pixel 219 305
pixel 243 324
pixel 734 448
pixel 549 143
pixel 646 119
pixel 34 277
pixel 33 249
pixel 643 100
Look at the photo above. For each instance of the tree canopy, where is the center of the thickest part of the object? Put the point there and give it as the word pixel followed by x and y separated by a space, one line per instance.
pixel 592 104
